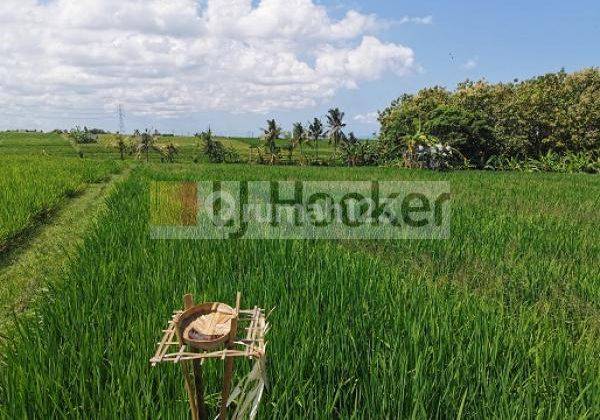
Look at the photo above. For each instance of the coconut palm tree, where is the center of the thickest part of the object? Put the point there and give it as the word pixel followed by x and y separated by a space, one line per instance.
pixel 270 135
pixel 299 136
pixel 335 121
pixel 315 133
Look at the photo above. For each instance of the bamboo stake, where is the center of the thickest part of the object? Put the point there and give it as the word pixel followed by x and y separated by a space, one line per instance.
pixel 188 301
pixel 227 377
pixel 187 376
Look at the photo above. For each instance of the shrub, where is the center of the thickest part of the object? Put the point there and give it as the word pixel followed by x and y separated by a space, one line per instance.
pixel 83 136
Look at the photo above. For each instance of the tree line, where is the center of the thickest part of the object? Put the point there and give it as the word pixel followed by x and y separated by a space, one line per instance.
pixel 548 123
pixel 551 118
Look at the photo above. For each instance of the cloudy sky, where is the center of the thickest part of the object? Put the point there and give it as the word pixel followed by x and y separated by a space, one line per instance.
pixel 181 65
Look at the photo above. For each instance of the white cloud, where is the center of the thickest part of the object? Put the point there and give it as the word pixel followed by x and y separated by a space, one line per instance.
pixel 470 64
pixel 168 57
pixel 425 20
pixel 368 118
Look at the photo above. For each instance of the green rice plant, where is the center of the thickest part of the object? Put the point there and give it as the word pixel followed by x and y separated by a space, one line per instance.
pixel 499 321
pixel 38 144
pixel 550 162
pixel 31 187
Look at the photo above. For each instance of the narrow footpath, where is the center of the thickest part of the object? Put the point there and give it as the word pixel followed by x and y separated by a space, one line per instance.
pixel 43 258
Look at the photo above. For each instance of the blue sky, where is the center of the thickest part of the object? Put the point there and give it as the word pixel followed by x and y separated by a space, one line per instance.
pixel 183 67
pixel 504 39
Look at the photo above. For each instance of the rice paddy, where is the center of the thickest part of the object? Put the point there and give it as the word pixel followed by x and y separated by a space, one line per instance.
pixel 501 320
pixel 32 187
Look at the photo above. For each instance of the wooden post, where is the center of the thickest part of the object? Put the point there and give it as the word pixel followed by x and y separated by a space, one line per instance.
pixel 198 385
pixel 187 374
pixel 228 374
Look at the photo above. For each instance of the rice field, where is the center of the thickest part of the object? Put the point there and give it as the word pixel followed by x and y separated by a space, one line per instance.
pixel 32 187
pixel 58 145
pixel 37 144
pixel 501 320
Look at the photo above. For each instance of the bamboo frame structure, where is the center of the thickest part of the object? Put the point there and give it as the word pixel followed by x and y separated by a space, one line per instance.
pixel 246 340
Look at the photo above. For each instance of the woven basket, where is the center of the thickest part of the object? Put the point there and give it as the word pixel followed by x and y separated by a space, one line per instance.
pixel 206 326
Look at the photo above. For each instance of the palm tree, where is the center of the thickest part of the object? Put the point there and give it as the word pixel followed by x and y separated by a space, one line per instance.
pixel 315 132
pixel 336 124
pixel 351 149
pixel 270 135
pixel 298 136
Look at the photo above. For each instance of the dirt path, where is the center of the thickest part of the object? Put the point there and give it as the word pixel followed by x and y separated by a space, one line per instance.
pixel 42 259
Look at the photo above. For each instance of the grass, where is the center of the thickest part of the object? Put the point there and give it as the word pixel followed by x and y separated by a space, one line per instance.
pixel 502 320
pixel 57 145
pixel 32 187
pixel 42 256
pixel 40 144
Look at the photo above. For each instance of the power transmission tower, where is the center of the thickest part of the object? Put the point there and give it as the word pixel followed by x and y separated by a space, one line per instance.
pixel 121 120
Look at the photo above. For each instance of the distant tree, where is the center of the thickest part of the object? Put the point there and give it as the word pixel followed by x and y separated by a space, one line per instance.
pixel 315 133
pixel 351 139
pixel 97 131
pixel 556 113
pixel 212 148
pixel 336 125
pixel 82 137
pixel 169 152
pixel 412 143
pixel 145 143
pixel 270 136
pixel 289 148
pixel 404 118
pixel 351 150
pixel 299 136
pixel 120 145
pixel 466 131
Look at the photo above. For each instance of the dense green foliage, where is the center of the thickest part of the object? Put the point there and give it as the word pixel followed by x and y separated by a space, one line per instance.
pixel 557 112
pixel 499 321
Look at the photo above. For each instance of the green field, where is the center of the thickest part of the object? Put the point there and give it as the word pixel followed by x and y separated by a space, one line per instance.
pixel 31 187
pixel 35 144
pixel 500 320
pixel 189 147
